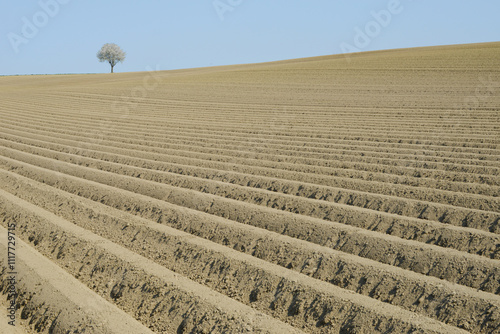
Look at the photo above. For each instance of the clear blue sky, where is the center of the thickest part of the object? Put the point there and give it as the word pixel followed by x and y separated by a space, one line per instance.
pixel 172 34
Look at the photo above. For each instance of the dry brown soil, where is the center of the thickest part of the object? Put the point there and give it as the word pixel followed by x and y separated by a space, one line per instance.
pixel 319 195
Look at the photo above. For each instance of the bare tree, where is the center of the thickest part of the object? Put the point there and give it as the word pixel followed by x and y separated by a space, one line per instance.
pixel 112 54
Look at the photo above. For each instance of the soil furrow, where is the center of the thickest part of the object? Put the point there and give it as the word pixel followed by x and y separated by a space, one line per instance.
pixel 454 266
pixel 181 252
pixel 124 278
pixel 343 311
pixel 399 225
pixel 264 145
pixel 363 163
pixel 405 175
pixel 441 143
pixel 313 195
pixel 53 301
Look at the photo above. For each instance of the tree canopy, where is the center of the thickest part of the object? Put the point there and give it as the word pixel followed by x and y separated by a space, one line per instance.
pixel 111 53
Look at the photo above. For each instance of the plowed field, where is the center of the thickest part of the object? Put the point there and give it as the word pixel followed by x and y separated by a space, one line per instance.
pixel 319 195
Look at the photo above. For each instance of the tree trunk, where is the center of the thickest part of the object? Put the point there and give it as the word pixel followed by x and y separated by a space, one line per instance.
pixel 112 68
